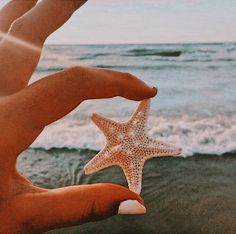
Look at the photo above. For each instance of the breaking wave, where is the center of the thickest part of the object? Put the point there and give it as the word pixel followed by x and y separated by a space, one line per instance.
pixel 200 136
pixel 153 52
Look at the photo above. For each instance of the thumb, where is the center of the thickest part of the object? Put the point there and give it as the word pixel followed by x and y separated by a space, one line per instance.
pixel 109 199
pixel 73 205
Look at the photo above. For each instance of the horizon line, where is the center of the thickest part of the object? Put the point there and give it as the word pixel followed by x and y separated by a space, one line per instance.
pixel 147 43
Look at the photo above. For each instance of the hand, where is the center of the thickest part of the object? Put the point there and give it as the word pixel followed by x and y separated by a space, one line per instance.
pixel 42 210
pixel 21 105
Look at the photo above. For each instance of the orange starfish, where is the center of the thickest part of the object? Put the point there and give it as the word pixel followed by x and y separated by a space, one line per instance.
pixel 128 146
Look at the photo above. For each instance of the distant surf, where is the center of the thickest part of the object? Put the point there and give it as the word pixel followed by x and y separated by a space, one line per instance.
pixel 194 109
pixel 153 52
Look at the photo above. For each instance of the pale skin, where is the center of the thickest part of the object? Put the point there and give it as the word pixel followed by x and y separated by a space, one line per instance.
pixel 24 207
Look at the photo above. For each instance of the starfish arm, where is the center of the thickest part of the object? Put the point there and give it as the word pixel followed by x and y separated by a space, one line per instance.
pixel 158 148
pixel 142 111
pixel 101 161
pixel 107 126
pixel 133 170
pixel 138 121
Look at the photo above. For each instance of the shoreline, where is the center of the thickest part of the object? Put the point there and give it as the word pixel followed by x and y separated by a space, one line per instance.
pixel 83 151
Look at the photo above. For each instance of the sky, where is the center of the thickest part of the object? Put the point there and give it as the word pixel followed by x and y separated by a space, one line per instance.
pixel 149 21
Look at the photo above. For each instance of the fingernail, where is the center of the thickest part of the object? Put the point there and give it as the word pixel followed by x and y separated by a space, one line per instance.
pixel 131 207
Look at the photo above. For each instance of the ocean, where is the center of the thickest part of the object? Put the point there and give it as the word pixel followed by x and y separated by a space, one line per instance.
pixel 194 109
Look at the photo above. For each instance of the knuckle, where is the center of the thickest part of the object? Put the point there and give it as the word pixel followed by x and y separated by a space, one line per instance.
pixel 17 25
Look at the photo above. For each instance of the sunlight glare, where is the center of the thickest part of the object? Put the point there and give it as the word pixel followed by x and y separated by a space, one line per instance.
pixel 28 45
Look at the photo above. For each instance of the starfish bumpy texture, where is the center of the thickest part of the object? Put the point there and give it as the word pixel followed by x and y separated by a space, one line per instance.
pixel 128 146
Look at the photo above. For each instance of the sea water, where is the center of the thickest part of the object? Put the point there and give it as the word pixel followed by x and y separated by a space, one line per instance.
pixel 194 109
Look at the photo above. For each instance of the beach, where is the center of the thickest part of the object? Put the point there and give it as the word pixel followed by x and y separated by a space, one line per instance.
pixel 183 195
pixel 194 110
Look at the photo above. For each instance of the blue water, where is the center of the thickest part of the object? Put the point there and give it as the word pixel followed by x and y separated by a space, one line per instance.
pixel 195 107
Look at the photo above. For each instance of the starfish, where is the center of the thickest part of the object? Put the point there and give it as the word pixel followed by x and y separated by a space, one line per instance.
pixel 128 146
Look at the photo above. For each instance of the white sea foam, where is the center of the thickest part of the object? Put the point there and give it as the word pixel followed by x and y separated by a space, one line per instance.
pixel 205 136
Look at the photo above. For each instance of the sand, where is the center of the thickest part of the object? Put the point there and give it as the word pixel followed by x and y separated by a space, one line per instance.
pixel 182 195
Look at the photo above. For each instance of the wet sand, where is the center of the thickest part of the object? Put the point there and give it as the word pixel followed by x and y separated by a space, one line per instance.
pixel 182 195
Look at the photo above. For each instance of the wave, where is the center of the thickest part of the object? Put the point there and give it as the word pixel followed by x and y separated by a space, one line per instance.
pixel 231 50
pixel 200 136
pixel 196 60
pixel 113 66
pixel 166 65
pixel 226 60
pixel 205 51
pixel 50 69
pixel 92 56
pixel 153 52
pixel 141 67
pixel 190 60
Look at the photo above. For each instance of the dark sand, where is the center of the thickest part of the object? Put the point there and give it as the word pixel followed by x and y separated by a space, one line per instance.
pixel 182 195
